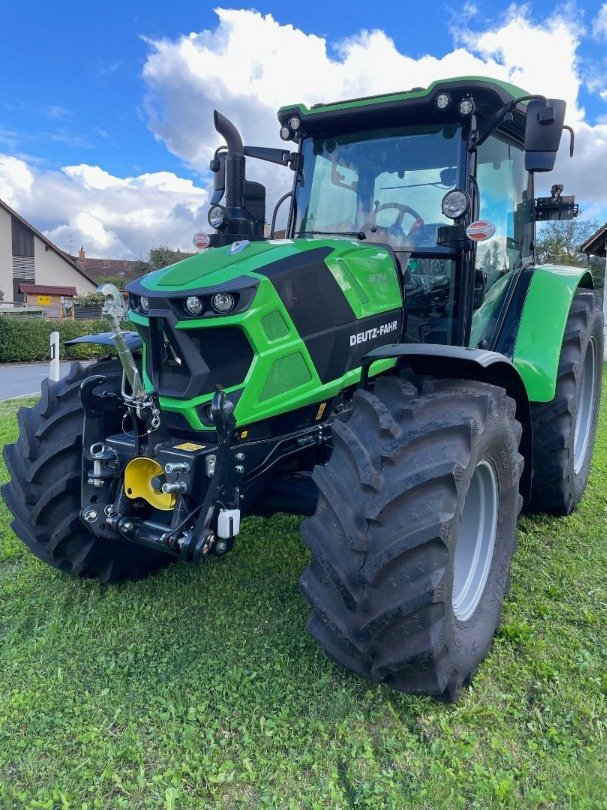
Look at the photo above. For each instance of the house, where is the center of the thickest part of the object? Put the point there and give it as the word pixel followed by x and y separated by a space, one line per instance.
pixel 33 269
pixel 596 245
pixel 100 269
pixel 54 301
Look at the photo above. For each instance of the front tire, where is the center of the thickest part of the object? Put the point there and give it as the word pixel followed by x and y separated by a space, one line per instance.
pixel 414 532
pixel 564 429
pixel 43 493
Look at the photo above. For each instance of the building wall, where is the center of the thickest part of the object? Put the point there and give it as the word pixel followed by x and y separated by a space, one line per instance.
pixel 52 269
pixel 6 255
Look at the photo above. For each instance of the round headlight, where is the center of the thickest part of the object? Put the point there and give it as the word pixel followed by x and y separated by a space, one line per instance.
pixel 455 204
pixel 442 101
pixel 223 302
pixel 217 216
pixel 294 122
pixel 144 303
pixel 285 133
pixel 194 305
pixel 466 106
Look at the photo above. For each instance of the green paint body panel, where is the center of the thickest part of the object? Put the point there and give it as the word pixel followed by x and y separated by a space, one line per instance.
pixel 542 327
pixel 366 274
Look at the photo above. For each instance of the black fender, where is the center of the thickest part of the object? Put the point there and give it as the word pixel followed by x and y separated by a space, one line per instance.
pixel 469 364
pixel 133 340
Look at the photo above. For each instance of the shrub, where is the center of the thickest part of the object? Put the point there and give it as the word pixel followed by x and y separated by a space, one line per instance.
pixel 27 339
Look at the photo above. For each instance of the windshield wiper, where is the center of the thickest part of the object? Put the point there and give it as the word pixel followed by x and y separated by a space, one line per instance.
pixel 357 234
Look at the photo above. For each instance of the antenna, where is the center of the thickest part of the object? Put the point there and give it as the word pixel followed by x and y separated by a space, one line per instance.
pixel 70 242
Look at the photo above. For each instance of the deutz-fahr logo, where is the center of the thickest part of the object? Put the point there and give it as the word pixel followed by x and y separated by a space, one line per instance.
pixel 371 334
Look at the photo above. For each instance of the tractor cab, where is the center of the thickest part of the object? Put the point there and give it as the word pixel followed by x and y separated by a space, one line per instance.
pixel 442 177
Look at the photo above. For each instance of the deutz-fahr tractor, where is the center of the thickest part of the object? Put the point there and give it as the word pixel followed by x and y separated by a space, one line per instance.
pixel 395 368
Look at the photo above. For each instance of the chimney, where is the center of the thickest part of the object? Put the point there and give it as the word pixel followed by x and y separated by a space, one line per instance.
pixel 81 256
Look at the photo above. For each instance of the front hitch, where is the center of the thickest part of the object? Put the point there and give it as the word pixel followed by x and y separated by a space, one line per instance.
pixel 182 470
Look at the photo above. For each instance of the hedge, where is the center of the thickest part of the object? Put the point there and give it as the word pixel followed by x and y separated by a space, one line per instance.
pixel 27 339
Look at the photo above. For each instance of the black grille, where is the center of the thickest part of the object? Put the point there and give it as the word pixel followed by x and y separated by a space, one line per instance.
pixel 227 353
pixel 185 363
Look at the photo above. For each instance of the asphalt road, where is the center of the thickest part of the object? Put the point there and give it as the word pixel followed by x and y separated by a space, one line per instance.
pixel 21 379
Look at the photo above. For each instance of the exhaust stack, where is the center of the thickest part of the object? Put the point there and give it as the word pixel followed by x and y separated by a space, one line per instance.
pixel 235 161
pixel 244 206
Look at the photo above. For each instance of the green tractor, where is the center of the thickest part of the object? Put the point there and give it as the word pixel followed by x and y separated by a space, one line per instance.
pixel 396 369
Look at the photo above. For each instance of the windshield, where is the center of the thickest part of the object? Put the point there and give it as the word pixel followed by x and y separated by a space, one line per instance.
pixel 387 185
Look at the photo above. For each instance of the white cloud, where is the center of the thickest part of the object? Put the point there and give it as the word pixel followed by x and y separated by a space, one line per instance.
pixel 583 174
pixel 247 66
pixel 110 216
pixel 16 179
pixel 599 24
pixel 540 58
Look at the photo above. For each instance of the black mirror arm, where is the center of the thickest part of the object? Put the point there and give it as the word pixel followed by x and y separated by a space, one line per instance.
pixel 571 139
pixel 496 119
pixel 280 156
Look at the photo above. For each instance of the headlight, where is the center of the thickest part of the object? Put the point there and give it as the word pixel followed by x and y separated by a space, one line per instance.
pixel 442 101
pixel 144 303
pixel 455 204
pixel 466 106
pixel 223 302
pixel 194 305
pixel 294 122
pixel 285 133
pixel 217 216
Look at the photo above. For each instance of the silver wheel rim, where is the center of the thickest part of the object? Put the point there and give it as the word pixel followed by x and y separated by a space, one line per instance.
pixel 476 540
pixel 583 417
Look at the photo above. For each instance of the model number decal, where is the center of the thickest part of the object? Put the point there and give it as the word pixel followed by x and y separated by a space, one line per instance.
pixel 371 334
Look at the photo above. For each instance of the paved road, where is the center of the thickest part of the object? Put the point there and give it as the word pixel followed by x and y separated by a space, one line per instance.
pixel 21 379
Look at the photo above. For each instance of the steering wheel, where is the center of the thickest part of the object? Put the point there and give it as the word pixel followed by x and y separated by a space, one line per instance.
pixel 396 229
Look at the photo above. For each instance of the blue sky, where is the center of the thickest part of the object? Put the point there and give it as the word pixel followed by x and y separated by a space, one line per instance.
pixel 124 98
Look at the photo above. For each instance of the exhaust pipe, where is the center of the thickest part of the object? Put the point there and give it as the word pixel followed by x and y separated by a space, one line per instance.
pixel 231 135
pixel 235 161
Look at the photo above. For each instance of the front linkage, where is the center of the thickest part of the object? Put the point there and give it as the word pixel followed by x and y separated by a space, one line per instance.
pixel 180 496
pixel 131 480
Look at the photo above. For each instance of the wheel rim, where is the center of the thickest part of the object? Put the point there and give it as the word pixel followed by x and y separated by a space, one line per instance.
pixel 583 419
pixel 476 540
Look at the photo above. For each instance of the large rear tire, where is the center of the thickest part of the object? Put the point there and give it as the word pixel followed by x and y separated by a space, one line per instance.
pixel 564 429
pixel 43 493
pixel 414 532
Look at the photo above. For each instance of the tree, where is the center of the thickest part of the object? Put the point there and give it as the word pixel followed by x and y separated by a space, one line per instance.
pixel 159 257
pixel 163 256
pixel 559 243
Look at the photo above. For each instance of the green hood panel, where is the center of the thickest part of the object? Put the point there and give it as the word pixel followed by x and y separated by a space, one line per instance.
pixel 362 270
pixel 215 266
pixel 286 372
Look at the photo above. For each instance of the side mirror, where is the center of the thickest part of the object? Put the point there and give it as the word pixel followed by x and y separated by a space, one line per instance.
pixel 543 131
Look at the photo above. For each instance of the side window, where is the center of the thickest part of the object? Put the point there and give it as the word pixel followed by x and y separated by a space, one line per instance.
pixel 502 185
pixel 502 181
pixel 333 197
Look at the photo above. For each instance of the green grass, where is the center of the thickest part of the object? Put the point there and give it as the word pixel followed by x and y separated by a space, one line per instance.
pixel 200 687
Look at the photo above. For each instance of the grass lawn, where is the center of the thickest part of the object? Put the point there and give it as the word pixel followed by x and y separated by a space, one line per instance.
pixel 200 687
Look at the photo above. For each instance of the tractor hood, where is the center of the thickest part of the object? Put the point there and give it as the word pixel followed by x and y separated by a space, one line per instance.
pixel 279 325
pixel 217 267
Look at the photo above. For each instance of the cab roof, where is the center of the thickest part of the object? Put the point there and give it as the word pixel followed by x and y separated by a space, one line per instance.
pixel 406 107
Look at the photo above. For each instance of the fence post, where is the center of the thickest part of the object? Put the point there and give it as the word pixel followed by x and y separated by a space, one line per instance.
pixel 55 372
